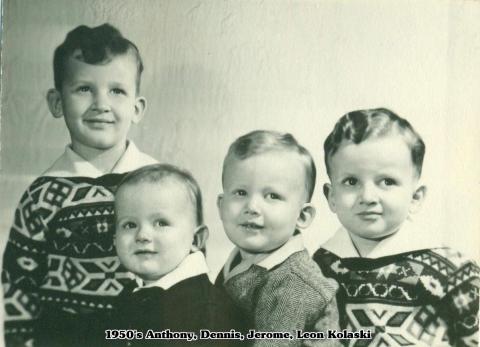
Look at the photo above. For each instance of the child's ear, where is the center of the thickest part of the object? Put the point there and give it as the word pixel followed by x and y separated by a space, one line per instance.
pixel 200 237
pixel 219 203
pixel 140 107
pixel 417 199
pixel 307 213
pixel 54 101
pixel 327 192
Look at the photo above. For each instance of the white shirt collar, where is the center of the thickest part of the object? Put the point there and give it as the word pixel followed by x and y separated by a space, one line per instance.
pixel 193 265
pixel 71 164
pixel 409 238
pixel 264 260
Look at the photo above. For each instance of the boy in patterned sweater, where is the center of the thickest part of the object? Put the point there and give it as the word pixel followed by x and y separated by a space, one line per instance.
pixel 268 181
pixel 60 260
pixel 394 280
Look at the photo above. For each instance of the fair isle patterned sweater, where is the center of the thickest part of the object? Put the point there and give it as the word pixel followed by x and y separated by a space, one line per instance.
pixel 60 256
pixel 423 297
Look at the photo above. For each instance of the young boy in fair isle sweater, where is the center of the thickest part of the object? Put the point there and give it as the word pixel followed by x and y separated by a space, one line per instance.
pixel 268 181
pixel 60 261
pixel 395 279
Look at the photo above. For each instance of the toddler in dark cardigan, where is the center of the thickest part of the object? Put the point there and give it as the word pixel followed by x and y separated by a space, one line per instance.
pixel 160 237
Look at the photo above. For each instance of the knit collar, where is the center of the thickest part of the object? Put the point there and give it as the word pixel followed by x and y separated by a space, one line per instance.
pixel 70 164
pixel 409 238
pixel 193 265
pixel 264 260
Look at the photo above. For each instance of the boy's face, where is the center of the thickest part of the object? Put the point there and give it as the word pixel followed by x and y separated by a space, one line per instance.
pixel 373 186
pixel 155 224
pixel 99 102
pixel 263 200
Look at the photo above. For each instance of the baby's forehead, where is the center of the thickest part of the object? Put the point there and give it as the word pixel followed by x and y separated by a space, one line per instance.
pixel 273 163
pixel 279 156
pixel 174 185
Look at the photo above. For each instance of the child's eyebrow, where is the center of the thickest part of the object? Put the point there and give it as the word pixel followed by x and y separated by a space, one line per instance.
pixel 118 83
pixel 344 174
pixel 73 82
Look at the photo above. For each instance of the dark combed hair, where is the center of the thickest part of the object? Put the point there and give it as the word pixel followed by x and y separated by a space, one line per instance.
pixel 358 126
pixel 261 141
pixel 156 173
pixel 96 45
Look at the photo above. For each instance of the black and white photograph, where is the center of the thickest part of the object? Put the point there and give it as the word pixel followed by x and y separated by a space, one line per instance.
pixel 239 173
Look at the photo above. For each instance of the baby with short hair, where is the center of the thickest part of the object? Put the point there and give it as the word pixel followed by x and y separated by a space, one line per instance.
pixel 395 279
pixel 159 237
pixel 268 181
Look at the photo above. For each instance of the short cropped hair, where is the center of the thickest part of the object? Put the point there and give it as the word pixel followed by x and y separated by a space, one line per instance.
pixel 156 173
pixel 96 45
pixel 261 141
pixel 358 126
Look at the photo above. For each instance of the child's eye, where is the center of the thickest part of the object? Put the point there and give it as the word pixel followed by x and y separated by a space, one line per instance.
pixel 118 91
pixel 83 89
pixel 273 196
pixel 160 223
pixel 350 181
pixel 128 225
pixel 240 192
pixel 389 182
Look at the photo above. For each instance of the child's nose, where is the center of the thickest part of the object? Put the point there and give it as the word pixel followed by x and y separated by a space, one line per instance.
pixel 144 234
pixel 252 206
pixel 368 194
pixel 101 103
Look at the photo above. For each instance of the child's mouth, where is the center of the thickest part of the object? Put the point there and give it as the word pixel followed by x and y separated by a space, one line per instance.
pixel 252 226
pixel 369 215
pixel 99 121
pixel 144 252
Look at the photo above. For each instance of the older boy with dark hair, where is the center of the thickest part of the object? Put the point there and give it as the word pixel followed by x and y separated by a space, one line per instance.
pixel 395 279
pixel 60 261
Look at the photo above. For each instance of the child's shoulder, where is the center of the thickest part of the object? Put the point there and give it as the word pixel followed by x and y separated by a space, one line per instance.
pixel 322 255
pixel 71 164
pixel 206 305
pixel 54 188
pixel 300 270
pixel 447 255
pixel 449 263
pixel 444 259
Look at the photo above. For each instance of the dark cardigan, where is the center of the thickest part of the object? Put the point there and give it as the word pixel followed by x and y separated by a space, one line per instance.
pixel 188 306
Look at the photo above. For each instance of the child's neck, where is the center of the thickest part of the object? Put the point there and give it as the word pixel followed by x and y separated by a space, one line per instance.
pixel 248 255
pixel 103 160
pixel 365 246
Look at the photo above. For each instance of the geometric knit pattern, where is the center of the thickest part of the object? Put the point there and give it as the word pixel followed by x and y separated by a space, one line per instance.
pixel 422 298
pixel 60 252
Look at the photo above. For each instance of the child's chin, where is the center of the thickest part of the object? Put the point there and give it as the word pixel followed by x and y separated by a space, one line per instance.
pixel 377 235
pixel 253 249
pixel 257 249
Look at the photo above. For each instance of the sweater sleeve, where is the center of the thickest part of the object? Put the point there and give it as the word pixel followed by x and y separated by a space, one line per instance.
pixel 24 266
pixel 461 305
pixel 288 303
